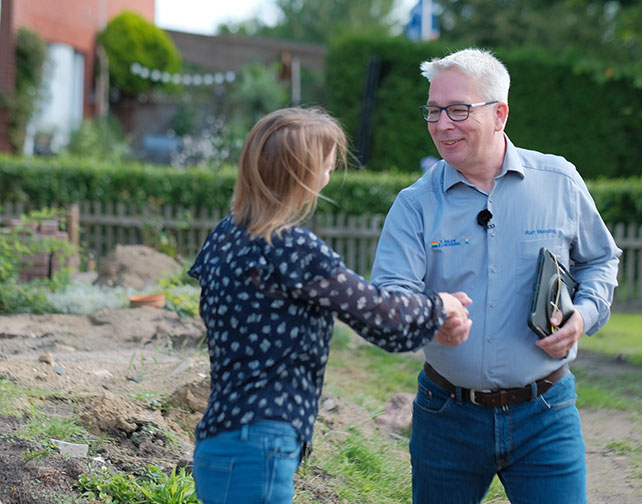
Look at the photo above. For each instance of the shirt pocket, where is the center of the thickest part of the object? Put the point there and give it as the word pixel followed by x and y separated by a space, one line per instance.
pixel 528 252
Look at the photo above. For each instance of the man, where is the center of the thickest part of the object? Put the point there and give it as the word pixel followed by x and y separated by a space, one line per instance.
pixel 501 401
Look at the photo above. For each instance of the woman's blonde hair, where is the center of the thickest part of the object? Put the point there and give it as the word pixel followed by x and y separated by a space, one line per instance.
pixel 281 168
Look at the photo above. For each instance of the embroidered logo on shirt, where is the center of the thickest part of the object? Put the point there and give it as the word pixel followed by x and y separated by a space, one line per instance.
pixel 531 232
pixel 451 242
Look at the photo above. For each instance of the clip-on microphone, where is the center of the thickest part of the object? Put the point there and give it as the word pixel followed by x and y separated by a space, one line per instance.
pixel 483 218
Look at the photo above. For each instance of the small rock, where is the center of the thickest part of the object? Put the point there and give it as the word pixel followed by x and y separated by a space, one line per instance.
pixel 41 376
pixel 47 359
pixel 64 348
pixel 103 373
pixel 70 449
pixel 398 413
pixel 329 405
pixel 182 367
pixel 59 370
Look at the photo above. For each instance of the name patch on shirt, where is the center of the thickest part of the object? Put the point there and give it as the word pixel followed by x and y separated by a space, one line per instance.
pixel 531 232
pixel 450 242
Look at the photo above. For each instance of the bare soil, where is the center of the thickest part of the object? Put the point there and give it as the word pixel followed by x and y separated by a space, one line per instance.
pixel 114 368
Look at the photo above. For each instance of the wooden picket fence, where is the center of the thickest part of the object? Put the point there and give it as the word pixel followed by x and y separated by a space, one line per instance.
pixel 628 295
pixel 99 227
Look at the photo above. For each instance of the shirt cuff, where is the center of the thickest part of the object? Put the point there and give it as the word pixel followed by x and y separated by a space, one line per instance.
pixel 589 313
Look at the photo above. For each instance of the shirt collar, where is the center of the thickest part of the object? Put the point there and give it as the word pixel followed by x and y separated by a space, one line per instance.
pixel 512 163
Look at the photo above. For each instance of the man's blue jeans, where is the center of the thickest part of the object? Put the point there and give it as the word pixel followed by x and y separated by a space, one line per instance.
pixel 252 465
pixel 536 448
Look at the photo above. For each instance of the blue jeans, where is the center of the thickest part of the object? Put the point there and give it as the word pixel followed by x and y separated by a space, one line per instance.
pixel 536 448
pixel 252 465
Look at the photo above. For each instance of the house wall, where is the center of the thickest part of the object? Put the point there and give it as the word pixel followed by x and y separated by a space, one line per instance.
pixel 7 65
pixel 229 52
pixel 7 68
pixel 76 23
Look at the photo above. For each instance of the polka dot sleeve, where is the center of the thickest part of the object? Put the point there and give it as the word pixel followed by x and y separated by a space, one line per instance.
pixel 395 321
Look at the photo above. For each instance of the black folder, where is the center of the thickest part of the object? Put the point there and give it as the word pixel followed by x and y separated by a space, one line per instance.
pixel 554 286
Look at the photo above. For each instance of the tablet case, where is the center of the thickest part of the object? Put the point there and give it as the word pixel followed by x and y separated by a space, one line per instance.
pixel 551 277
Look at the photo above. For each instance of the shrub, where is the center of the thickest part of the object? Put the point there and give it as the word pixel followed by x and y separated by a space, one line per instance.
pixel 31 54
pixel 56 182
pixel 553 108
pixel 99 139
pixel 129 39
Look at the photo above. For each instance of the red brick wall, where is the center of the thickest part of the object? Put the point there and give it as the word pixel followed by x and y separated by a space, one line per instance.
pixel 7 68
pixel 75 23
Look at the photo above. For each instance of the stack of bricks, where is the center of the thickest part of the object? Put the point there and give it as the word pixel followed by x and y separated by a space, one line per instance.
pixel 45 264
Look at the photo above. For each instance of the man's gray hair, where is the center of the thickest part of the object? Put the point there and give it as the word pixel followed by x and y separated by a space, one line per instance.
pixel 494 80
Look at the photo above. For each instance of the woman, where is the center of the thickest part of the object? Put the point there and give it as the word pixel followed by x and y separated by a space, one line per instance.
pixel 270 291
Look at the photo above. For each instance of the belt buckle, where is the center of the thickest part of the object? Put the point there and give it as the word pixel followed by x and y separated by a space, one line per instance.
pixel 473 393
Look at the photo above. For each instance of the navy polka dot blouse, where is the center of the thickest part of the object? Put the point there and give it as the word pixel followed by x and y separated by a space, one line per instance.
pixel 269 312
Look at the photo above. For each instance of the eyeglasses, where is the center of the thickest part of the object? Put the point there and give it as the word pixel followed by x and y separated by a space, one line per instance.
pixel 456 112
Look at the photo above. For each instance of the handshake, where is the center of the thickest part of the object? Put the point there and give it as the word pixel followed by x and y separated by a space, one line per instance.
pixel 457 326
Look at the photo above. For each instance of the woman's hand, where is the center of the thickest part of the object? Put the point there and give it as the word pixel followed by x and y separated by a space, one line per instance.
pixel 457 326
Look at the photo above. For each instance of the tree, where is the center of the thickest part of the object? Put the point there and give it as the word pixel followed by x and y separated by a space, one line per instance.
pixel 318 21
pixel 605 37
pixel 129 39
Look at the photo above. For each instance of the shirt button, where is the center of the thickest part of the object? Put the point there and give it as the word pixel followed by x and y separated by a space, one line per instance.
pixel 490 340
pixel 492 304
pixel 493 269
pixel 493 234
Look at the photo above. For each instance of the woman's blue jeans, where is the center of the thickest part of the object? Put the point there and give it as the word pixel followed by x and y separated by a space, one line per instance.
pixel 536 448
pixel 252 465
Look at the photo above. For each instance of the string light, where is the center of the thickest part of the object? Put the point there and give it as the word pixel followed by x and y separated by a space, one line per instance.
pixel 156 75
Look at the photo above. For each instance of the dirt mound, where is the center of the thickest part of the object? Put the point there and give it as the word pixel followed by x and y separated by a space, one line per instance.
pixel 135 266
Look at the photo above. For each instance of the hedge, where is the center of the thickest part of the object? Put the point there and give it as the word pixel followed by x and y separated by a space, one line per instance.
pixel 43 182
pixel 552 108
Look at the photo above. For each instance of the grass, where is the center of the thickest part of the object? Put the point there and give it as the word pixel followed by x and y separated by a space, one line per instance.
pixel 352 468
pixel 10 395
pixel 360 465
pixel 599 389
pixel 355 463
pixel 379 374
pixel 619 338
pixel 602 391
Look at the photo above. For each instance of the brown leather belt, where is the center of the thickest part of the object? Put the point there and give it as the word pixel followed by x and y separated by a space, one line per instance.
pixel 497 398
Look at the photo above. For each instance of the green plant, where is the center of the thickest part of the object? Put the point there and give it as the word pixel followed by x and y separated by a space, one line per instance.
pixel 152 486
pixel 41 454
pixel 19 244
pixel 151 400
pixel 183 299
pixel 9 395
pixel 99 139
pixel 129 39
pixel 110 487
pixel 40 427
pixel 31 54
pixel 177 488
pixel 156 235
pixel 80 298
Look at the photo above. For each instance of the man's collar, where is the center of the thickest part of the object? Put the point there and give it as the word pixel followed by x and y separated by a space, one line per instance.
pixel 512 163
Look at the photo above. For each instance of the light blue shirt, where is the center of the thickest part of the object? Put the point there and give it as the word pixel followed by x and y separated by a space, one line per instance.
pixel 431 240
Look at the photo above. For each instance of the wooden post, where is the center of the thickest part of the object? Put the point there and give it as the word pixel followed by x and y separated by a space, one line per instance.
pixel 73 224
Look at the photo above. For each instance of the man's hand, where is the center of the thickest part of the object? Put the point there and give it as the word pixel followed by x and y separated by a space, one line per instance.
pixel 457 326
pixel 561 341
